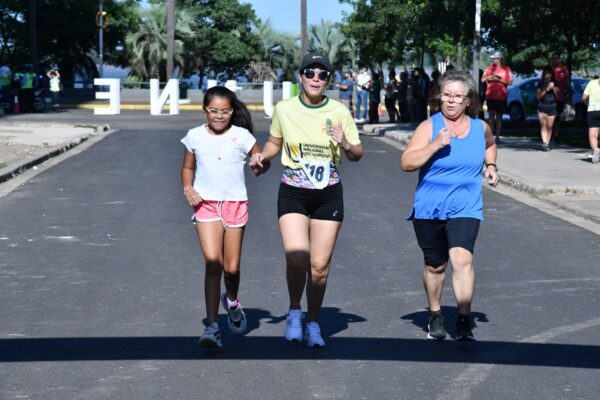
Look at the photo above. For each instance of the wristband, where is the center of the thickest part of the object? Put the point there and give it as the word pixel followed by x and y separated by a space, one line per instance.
pixel 493 165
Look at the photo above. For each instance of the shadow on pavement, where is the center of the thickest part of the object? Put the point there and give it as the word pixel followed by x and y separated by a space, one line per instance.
pixel 277 348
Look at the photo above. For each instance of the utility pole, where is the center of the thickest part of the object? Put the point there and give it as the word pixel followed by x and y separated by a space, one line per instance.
pixel 170 36
pixel 477 41
pixel 100 23
pixel 303 30
pixel 33 32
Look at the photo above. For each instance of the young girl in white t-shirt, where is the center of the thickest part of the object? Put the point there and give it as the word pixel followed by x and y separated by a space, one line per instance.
pixel 213 183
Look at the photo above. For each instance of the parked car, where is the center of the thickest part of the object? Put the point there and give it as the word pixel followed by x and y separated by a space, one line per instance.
pixel 522 102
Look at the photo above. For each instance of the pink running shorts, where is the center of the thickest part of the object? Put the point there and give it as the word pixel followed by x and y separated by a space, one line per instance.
pixel 232 214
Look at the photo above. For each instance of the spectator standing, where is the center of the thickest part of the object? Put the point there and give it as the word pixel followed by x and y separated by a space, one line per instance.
pixel 497 77
pixel 402 95
pixel 374 98
pixel 546 93
pixel 362 94
pixel 26 81
pixel 591 96
pixel 422 93
pixel 54 77
pixel 5 89
pixel 346 88
pixel 433 89
pixel 390 97
pixel 412 94
pixel 562 78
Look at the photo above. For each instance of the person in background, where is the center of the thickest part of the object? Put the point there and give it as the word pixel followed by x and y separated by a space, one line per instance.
pixel 390 97
pixel 362 94
pixel 54 77
pixel 497 77
pixel 374 98
pixel 6 96
pixel 433 88
pixel 591 97
pixel 546 94
pixel 27 80
pixel 562 78
pixel 450 149
pixel 422 94
pixel 402 95
pixel 346 88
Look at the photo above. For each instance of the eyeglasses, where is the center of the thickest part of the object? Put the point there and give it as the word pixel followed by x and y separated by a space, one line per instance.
pixel 219 113
pixel 457 98
pixel 310 73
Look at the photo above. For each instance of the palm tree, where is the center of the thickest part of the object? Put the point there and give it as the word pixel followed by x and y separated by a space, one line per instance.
pixel 280 51
pixel 147 48
pixel 327 38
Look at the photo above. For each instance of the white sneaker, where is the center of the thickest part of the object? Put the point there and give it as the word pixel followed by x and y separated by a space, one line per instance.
pixel 312 335
pixel 596 156
pixel 293 330
pixel 211 337
pixel 236 317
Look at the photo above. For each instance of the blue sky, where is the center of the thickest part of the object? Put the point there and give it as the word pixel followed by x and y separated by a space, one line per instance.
pixel 285 14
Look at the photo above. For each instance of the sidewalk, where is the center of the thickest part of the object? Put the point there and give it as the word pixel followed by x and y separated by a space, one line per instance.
pixel 563 177
pixel 24 145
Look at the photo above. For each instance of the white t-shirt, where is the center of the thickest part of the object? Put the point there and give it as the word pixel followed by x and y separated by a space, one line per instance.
pixel 220 162
pixel 362 79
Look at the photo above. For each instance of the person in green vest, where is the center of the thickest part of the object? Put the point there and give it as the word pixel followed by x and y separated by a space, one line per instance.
pixel 5 88
pixel 27 80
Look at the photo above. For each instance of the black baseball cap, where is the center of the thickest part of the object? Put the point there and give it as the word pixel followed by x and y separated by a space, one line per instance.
pixel 315 59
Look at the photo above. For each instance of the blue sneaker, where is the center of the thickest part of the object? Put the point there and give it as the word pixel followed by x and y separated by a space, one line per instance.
pixel 293 330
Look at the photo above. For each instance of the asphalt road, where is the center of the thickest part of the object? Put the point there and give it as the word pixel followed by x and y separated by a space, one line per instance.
pixel 101 289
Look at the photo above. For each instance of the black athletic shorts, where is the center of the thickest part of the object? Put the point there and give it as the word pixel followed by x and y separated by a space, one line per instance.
pixel 326 204
pixel 436 237
pixel 593 119
pixel 498 106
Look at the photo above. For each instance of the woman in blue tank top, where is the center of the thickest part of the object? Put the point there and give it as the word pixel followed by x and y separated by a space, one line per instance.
pixel 449 150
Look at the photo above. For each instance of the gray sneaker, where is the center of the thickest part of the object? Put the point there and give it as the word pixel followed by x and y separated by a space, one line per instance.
pixel 236 318
pixel 596 156
pixel 211 338
pixel 436 327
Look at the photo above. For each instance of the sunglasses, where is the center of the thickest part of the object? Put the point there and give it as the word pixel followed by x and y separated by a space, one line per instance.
pixel 310 73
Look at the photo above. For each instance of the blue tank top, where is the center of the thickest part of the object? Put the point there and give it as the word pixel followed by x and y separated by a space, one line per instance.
pixel 450 182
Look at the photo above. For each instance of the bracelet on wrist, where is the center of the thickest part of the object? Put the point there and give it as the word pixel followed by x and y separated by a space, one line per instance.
pixel 493 165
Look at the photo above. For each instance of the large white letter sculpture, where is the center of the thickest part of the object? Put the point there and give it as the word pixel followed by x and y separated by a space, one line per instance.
pixel 268 95
pixel 113 96
pixel 170 92
pixel 268 98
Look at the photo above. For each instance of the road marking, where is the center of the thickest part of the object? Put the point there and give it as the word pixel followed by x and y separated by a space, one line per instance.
pixel 474 374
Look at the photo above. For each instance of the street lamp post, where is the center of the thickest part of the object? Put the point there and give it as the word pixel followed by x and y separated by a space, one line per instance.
pixel 101 24
pixel 303 30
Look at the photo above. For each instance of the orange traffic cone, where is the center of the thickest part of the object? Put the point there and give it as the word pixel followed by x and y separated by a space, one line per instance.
pixel 16 108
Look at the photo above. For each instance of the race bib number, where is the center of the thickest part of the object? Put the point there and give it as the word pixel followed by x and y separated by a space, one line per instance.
pixel 316 171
